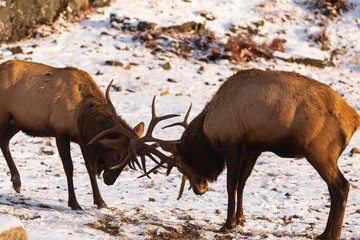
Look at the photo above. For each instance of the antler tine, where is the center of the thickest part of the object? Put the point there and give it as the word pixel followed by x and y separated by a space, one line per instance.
pixel 183 180
pixel 158 164
pixel 151 170
pixel 100 135
pixel 184 123
pixel 163 158
pixel 137 163
pixel 108 101
pixel 137 146
pixel 118 128
pixel 155 120
pixel 123 162
pixel 144 166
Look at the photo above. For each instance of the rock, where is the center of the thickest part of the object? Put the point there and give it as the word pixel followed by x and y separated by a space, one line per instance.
pixel 123 23
pixel 18 18
pixel 114 63
pixel 130 24
pixel 16 50
pixel 208 16
pixel 308 61
pixel 188 27
pixel 166 66
pixel 11 228
pixel 143 26
pixel 259 23
pixel 354 151
pixel 164 93
pixel 218 211
pixel 99 3
pixel 17 233
pixel 235 69
pixel 99 72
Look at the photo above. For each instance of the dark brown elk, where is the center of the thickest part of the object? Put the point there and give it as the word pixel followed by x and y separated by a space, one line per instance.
pixel 66 103
pixel 256 111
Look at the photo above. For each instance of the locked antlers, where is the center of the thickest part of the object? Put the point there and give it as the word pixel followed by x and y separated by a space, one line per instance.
pixel 137 146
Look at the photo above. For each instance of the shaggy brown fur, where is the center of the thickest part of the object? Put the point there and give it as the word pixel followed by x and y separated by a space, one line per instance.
pixel 64 103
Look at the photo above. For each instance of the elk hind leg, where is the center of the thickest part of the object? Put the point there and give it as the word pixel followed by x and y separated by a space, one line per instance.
pixel 5 137
pixel 338 189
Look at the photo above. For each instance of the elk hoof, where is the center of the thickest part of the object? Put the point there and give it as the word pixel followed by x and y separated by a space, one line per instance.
pixel 326 236
pixel 241 221
pixel 226 229
pixel 17 186
pixel 101 205
pixel 75 206
pixel 321 237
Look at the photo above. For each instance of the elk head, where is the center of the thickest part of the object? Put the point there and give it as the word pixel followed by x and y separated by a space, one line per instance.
pixel 198 182
pixel 130 143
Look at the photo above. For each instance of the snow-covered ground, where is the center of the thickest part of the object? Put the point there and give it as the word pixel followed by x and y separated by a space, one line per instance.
pixel 284 198
pixel 7 222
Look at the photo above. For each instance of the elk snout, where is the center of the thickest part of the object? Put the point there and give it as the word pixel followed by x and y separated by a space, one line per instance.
pixel 110 176
pixel 199 186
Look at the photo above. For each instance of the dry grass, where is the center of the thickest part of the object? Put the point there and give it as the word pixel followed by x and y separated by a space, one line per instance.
pixel 206 46
pixel 244 48
pixel 332 8
pixel 323 39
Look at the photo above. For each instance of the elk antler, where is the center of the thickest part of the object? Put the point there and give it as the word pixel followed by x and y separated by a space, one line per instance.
pixel 155 120
pixel 138 146
pixel 184 123
pixel 118 128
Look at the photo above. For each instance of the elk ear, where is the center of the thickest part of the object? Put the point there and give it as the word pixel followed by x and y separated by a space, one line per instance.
pixel 115 143
pixel 139 129
pixel 169 147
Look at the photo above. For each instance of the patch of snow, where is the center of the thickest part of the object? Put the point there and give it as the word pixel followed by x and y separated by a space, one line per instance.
pixel 7 222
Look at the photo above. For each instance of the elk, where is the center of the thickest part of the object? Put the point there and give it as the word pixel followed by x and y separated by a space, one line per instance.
pixel 66 103
pixel 255 111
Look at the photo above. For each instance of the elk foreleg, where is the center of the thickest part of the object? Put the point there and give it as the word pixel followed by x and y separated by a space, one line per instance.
pixel 7 134
pixel 63 145
pixel 92 175
pixel 233 170
pixel 247 165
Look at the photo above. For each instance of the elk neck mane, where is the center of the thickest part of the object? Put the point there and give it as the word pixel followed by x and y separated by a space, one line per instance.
pixel 95 114
pixel 196 150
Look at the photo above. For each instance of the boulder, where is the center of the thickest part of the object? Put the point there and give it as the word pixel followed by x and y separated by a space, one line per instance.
pixel 17 18
pixel 11 228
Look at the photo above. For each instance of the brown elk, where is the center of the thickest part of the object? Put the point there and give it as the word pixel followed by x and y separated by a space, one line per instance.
pixel 255 111
pixel 66 103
